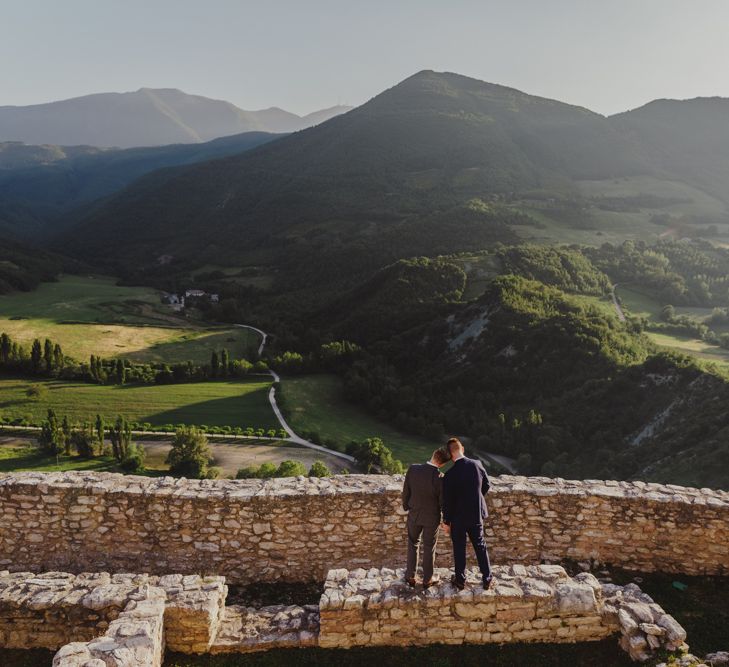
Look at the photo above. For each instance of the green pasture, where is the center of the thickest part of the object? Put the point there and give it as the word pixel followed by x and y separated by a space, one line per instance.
pixel 314 403
pixel 91 315
pixel 224 403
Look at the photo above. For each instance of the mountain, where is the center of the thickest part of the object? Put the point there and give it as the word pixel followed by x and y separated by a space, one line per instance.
pixel 393 178
pixel 684 139
pixel 39 184
pixel 146 117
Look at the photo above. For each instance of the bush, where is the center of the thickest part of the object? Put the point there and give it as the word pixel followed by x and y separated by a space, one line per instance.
pixel 319 469
pixel 290 469
pixel 190 455
pixel 35 392
pixel 86 442
pixel 134 461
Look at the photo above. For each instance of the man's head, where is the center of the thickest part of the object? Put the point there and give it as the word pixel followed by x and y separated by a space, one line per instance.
pixel 440 457
pixel 455 448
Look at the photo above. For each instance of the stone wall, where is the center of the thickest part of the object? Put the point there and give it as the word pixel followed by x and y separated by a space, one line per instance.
pixel 297 528
pixel 538 603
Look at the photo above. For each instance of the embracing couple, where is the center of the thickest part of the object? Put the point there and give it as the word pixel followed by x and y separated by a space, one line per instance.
pixel 454 501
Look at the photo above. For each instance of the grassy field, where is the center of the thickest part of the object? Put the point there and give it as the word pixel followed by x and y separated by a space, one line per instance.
pixel 639 303
pixel 234 403
pixel 692 346
pixel 91 315
pixel 315 403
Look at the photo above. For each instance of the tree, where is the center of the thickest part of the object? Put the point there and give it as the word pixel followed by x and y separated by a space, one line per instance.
pixel 121 439
pixel 214 364
pixel 374 456
pixel 48 355
pixel 51 437
pixel 99 429
pixel 5 347
pixel 66 435
pixel 290 469
pixel 59 360
pixel 36 356
pixel 224 361
pixel 85 442
pixel 134 461
pixel 319 469
pixel 120 372
pixel 190 455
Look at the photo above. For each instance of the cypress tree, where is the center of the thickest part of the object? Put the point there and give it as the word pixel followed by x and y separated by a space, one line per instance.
pixel 214 364
pixel 58 360
pixel 66 435
pixel 99 428
pixel 224 362
pixel 120 371
pixel 5 348
pixel 48 355
pixel 36 356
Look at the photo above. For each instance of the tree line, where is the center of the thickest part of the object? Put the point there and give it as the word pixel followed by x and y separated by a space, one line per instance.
pixel 47 359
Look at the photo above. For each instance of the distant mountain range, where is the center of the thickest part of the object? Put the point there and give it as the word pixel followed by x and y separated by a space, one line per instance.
pixel 146 117
pixel 403 175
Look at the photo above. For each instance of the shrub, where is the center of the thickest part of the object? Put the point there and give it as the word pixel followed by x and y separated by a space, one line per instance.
pixel 290 469
pixel 319 469
pixel 134 461
pixel 190 455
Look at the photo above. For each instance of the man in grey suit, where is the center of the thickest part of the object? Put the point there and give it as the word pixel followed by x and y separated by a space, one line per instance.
pixel 422 499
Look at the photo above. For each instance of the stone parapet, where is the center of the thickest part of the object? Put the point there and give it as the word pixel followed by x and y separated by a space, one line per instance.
pixel 296 529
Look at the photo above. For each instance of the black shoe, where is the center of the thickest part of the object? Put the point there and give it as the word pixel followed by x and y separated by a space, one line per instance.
pixel 487 583
pixel 460 585
pixel 410 581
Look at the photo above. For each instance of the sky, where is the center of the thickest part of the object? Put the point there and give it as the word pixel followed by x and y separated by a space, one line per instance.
pixel 302 55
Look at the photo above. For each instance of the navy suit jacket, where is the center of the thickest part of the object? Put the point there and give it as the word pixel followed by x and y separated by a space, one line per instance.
pixel 464 488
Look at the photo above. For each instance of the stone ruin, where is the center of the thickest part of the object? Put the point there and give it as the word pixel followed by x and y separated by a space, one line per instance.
pixel 86 531
pixel 127 620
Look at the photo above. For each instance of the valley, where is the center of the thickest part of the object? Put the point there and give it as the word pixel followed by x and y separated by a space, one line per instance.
pixel 438 260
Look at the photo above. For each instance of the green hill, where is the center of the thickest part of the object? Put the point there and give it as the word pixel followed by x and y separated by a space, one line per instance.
pixel 370 184
pixel 41 184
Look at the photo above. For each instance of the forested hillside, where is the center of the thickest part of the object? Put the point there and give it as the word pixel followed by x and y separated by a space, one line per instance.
pixel 39 185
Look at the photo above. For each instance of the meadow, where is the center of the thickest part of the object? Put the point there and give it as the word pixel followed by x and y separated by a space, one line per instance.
pixel 92 315
pixel 239 403
pixel 314 403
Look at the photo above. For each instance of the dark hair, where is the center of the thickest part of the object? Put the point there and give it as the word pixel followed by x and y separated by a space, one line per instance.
pixel 441 455
pixel 454 445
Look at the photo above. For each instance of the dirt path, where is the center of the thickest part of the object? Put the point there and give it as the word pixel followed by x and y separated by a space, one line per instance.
pixel 618 308
pixel 293 437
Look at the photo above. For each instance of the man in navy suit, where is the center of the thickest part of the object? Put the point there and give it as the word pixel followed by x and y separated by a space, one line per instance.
pixel 464 509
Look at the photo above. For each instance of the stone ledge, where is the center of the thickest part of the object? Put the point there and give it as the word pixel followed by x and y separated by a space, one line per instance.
pixel 100 483
pixel 524 604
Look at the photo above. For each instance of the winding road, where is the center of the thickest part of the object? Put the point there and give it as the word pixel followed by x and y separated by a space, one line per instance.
pixel 296 439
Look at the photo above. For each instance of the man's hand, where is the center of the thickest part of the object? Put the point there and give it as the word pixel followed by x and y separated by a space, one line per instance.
pixel 446 528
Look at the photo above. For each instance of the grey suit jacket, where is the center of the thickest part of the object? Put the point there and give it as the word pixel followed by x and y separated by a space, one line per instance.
pixel 422 494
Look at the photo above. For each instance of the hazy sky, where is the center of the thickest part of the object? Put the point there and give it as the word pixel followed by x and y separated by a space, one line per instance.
pixel 307 54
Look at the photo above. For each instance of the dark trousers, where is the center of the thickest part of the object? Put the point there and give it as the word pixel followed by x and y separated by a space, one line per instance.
pixel 475 534
pixel 429 536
